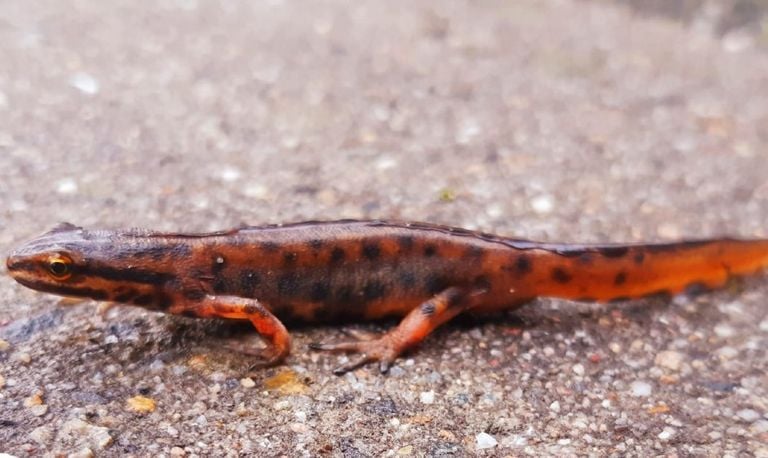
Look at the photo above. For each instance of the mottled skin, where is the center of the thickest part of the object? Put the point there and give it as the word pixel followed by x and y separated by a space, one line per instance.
pixel 360 270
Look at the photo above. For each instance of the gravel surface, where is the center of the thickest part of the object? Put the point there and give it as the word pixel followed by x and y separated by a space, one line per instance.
pixel 559 120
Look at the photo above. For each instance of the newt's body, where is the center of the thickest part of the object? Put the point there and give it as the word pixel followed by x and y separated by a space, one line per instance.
pixel 360 270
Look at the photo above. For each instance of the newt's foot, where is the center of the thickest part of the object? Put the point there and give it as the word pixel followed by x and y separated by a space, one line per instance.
pixel 383 349
pixel 265 357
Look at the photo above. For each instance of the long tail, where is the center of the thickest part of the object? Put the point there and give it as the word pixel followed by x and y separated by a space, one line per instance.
pixel 616 272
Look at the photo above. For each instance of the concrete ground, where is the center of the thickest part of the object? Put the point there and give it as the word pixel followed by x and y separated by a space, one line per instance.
pixel 560 121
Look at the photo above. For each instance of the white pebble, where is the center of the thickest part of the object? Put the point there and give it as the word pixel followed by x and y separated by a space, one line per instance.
pixel 484 440
pixel 229 174
pixel 748 415
pixel 764 325
pixel 670 359
pixel 727 353
pixel 66 186
pixel 555 406
pixel 641 388
pixel 110 339
pixel 667 434
pixel 578 369
pixel 247 382
pixel 724 330
pixel 427 397
pixel 85 83
pixel 542 204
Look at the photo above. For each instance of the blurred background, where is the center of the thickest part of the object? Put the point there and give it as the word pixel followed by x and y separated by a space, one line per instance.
pixel 561 120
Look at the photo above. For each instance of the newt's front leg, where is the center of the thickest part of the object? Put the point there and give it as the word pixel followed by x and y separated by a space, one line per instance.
pixel 268 326
pixel 414 328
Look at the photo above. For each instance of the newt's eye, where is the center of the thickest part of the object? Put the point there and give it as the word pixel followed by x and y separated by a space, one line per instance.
pixel 58 267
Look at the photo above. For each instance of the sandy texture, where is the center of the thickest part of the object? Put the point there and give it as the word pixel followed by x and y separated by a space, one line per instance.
pixel 559 120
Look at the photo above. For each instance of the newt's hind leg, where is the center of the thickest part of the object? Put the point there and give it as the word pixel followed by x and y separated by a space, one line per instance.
pixel 267 325
pixel 414 328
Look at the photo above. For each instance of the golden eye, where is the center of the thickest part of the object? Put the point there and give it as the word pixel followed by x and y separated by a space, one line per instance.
pixel 58 267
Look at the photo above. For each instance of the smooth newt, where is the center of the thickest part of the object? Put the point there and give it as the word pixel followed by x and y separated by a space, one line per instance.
pixel 360 270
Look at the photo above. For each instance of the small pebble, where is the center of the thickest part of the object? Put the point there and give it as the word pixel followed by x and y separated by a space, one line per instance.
pixel 759 427
pixel 39 411
pixel 748 415
pixel 299 428
pixel 247 382
pixel 667 434
pixel 85 83
pixel 727 353
pixel 427 397
pixel 669 359
pixel 66 186
pixel 141 404
pixel 542 204
pixel 41 435
pixel 555 406
pixel 281 405
pixel 4 345
pixel 484 440
pixel 641 388
pixel 177 451
pixel 724 331
pixel 578 369
pixel 22 357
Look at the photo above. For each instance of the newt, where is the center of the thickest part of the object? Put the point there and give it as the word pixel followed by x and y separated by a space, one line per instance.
pixel 340 271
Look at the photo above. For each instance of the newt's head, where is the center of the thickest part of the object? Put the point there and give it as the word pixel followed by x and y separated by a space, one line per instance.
pixel 55 262
pixel 101 265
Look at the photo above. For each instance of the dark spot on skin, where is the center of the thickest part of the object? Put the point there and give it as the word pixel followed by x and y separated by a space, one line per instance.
pixel 188 314
pixel 428 308
pixel 288 284
pixel 125 295
pixel 585 258
pixel 315 244
pixel 455 299
pixel 661 294
pixel 320 291
pixel 250 309
pixel 639 258
pixel 144 300
pixel 406 279
pixel 371 250
pixel 435 284
pixel 474 252
pixel 696 289
pixel 620 299
pixel 523 265
pixel 620 279
pixel 249 281
pixel 270 247
pixel 164 301
pixel 430 250
pixel 343 294
pixel 338 255
pixel 374 290
pixel 194 294
pixel 613 251
pixel 560 275
pixel 290 258
pixel 405 242
pixel 220 286
pixel 483 283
